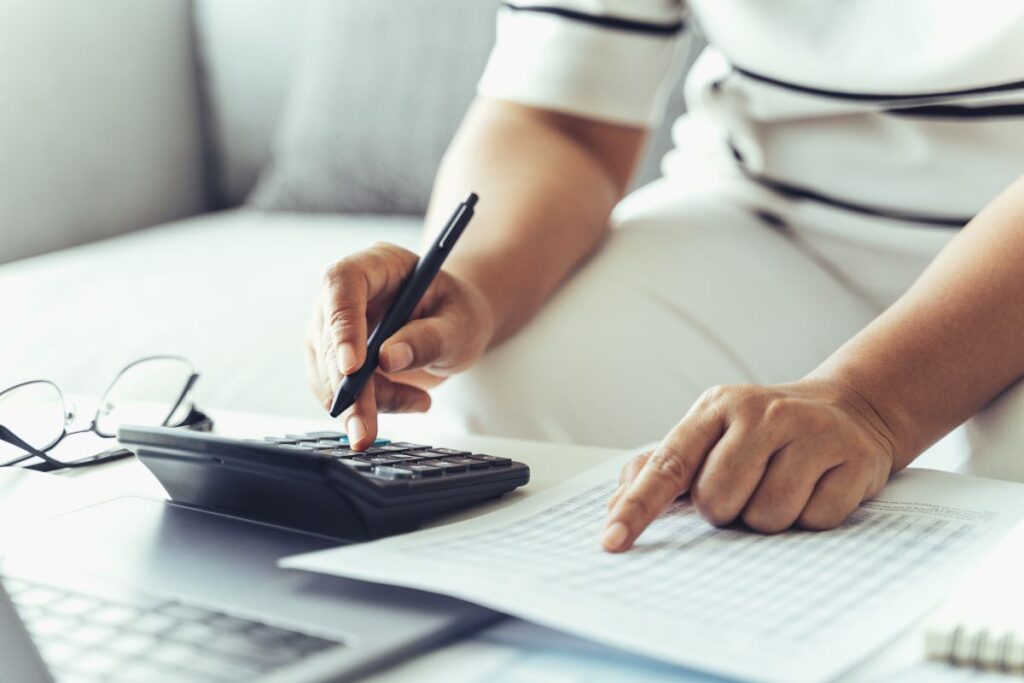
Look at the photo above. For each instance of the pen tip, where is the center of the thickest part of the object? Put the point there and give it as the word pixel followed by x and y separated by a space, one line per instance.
pixel 471 200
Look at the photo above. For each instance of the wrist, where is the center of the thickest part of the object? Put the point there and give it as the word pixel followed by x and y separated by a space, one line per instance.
pixel 885 419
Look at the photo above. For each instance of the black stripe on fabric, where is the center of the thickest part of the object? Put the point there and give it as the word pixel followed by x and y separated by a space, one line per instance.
pixel 878 97
pixel 796 192
pixel 604 21
pixel 804 193
pixel 956 111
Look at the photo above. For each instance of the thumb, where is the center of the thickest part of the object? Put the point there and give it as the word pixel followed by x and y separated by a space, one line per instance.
pixel 437 342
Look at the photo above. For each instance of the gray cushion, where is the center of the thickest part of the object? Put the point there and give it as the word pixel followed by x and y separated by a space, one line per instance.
pixel 100 129
pixel 246 51
pixel 378 93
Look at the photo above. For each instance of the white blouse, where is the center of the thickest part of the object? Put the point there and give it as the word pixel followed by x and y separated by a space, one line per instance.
pixel 912 110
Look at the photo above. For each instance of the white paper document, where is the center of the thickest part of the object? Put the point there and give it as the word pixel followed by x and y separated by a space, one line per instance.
pixel 797 606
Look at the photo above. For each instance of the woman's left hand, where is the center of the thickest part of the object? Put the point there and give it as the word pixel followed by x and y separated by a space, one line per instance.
pixel 806 453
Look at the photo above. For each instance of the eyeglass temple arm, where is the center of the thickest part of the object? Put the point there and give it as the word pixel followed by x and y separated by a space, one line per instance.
pixel 181 397
pixel 10 437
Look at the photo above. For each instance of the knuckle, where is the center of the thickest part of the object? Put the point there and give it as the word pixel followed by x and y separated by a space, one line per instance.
pixel 342 318
pixel 714 508
pixel 763 519
pixel 715 395
pixel 779 409
pixel 671 465
pixel 821 517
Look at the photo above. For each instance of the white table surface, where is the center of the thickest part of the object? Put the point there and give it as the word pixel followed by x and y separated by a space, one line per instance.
pixel 512 651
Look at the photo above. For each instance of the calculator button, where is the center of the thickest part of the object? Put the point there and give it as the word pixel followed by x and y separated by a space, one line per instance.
pixel 448 451
pixel 393 448
pixel 381 442
pixel 422 469
pixel 280 440
pixel 406 446
pixel 446 467
pixel 393 472
pixel 291 447
pixel 378 459
pixel 493 459
pixel 471 463
pixel 325 435
pixel 357 465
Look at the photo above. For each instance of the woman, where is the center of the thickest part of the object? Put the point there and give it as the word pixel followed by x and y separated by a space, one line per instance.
pixel 832 151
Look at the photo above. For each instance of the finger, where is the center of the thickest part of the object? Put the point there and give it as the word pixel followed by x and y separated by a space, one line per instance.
pixel 786 487
pixel 329 361
pixel 361 418
pixel 316 377
pixel 665 475
pixel 344 314
pixel 627 474
pixel 732 471
pixel 395 397
pixel 835 496
pixel 349 288
pixel 440 342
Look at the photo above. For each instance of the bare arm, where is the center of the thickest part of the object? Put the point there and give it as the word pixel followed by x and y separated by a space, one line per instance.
pixel 951 343
pixel 810 451
pixel 547 182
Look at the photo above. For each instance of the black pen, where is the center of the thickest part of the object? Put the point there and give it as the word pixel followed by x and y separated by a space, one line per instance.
pixel 405 302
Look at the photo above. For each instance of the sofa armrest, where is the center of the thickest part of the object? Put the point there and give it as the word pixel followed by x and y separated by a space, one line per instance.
pixel 99 120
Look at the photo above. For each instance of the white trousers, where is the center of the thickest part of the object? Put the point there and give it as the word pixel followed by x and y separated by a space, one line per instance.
pixel 701 282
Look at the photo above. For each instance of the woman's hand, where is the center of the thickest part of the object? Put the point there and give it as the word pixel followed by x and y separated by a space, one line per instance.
pixel 448 332
pixel 802 454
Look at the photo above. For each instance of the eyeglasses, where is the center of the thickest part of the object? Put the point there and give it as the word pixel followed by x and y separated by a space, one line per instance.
pixel 155 392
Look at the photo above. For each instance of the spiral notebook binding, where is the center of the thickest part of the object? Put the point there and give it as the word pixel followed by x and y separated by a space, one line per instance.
pixel 976 648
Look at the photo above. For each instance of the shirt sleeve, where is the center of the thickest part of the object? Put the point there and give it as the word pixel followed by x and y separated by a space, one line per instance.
pixel 610 60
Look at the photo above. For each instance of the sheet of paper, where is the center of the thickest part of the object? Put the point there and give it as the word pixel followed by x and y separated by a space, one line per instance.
pixel 798 606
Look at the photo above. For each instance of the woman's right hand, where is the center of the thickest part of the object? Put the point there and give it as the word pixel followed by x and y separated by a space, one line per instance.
pixel 449 330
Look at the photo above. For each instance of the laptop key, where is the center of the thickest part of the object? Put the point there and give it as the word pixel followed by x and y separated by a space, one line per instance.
pixel 178 610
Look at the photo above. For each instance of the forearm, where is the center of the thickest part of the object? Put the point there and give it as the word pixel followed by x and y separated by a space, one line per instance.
pixel 953 342
pixel 546 191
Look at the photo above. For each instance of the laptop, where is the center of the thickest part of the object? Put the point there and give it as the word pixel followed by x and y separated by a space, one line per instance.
pixel 138 590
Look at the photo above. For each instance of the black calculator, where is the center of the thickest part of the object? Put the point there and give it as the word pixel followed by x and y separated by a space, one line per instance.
pixel 316 482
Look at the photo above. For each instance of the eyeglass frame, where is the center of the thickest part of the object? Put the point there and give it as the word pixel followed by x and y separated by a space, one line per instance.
pixel 196 420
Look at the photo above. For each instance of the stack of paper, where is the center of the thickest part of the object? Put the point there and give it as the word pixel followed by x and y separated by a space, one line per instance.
pixel 798 606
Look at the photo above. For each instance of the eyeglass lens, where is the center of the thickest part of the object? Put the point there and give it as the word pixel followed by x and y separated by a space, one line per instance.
pixel 35 412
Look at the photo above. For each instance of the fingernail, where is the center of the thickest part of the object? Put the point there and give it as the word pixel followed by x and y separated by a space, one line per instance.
pixel 399 356
pixel 347 358
pixel 614 537
pixel 356 429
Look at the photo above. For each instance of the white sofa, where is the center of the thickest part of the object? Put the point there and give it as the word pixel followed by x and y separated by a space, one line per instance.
pixel 119 116
pixel 103 136
pixel 114 120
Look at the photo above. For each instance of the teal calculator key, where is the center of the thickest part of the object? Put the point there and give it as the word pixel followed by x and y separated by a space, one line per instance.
pixel 379 441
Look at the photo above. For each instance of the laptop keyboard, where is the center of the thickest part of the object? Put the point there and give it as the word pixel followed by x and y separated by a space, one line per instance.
pixel 138 639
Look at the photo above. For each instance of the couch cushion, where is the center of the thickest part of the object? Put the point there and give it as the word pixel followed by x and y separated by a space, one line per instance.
pixel 100 121
pixel 378 92
pixel 246 55
pixel 231 291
